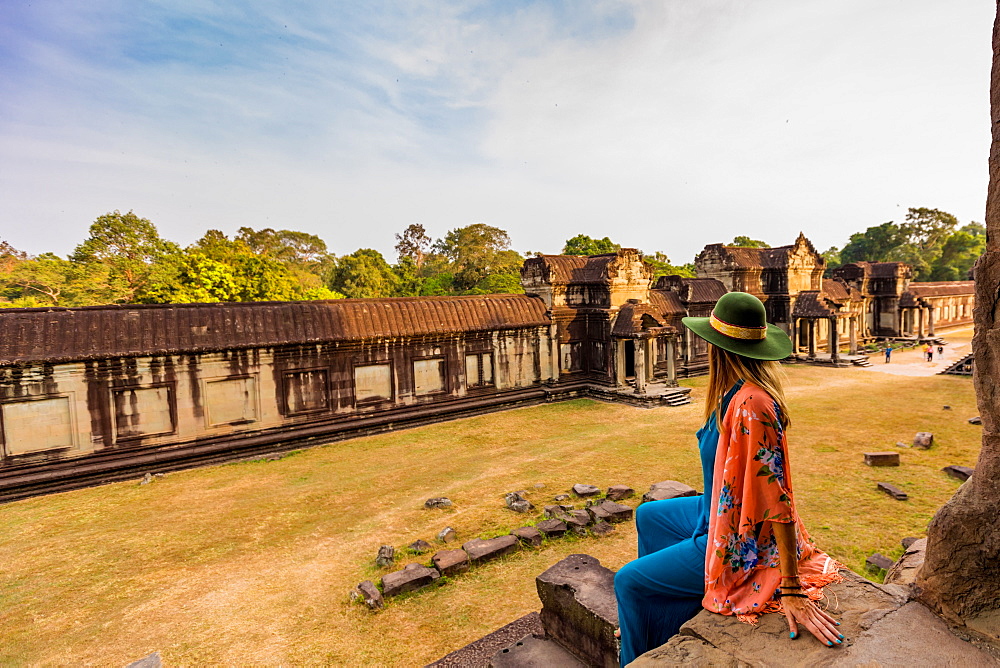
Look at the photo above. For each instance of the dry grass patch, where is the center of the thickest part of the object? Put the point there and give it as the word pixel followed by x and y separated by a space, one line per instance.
pixel 252 562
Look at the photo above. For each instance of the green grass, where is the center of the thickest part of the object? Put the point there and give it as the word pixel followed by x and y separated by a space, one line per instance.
pixel 253 562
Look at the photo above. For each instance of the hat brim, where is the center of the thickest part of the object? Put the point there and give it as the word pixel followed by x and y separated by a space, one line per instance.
pixel 775 346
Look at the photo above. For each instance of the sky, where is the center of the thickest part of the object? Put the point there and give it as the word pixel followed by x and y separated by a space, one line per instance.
pixel 663 124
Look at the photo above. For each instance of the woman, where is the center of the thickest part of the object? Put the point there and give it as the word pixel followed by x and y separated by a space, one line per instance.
pixel 739 549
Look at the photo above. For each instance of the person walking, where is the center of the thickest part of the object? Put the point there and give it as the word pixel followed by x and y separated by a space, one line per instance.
pixel 740 548
pixel 888 352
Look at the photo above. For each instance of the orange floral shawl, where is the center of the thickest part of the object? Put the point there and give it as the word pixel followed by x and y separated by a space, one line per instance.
pixel 751 489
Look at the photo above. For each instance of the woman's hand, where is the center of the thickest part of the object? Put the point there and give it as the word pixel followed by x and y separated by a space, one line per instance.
pixel 805 612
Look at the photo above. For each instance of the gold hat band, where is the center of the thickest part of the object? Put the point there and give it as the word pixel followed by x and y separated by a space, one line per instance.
pixel 737 332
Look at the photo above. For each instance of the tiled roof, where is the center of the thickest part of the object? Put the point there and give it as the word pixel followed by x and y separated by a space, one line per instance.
pixel 667 303
pixel 573 268
pixel 942 288
pixel 810 304
pixel 630 319
pixel 693 290
pixel 95 332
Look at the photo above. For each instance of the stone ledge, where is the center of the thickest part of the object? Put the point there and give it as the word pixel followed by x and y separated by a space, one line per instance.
pixel 883 627
pixel 477 654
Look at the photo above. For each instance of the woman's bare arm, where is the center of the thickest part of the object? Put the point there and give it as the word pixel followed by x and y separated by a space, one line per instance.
pixel 800 610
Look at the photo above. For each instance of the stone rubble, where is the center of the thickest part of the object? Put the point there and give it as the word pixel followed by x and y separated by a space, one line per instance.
pixel 480 550
pixel 882 458
pixel 881 561
pixel 923 440
pixel 668 489
pixel 620 492
pixel 586 490
pixel 438 502
pixel 451 562
pixel 528 536
pixel 410 578
pixel 516 502
pixel 369 593
pixel 386 556
pixel 447 535
pixel 420 546
pixel 962 473
pixel 552 528
pixel 893 491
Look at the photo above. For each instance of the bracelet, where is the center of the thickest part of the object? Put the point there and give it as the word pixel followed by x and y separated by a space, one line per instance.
pixel 779 594
pixel 791 587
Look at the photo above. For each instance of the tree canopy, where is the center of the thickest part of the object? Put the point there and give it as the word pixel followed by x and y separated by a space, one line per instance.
pixel 747 242
pixel 581 244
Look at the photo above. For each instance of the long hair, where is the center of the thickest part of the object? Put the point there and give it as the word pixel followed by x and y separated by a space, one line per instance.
pixel 725 368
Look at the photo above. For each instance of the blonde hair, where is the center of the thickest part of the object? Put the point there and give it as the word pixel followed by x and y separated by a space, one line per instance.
pixel 725 368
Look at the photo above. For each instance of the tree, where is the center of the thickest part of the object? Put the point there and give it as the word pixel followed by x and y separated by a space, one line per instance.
pixel 477 251
pixel 581 244
pixel 129 246
pixel 747 242
pixel 832 258
pixel 959 253
pixel 662 266
pixel 876 244
pixel 413 244
pixel 364 274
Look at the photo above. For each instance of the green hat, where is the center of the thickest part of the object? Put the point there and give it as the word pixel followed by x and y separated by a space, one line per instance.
pixel 738 324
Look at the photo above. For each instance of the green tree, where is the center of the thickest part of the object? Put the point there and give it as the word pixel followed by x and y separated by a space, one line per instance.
pixel 413 244
pixel 959 253
pixel 364 274
pixel 747 242
pixel 832 258
pixel 477 251
pixel 130 247
pixel 876 244
pixel 581 244
pixel 662 266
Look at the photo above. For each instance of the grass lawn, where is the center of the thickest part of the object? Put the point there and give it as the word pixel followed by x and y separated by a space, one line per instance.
pixel 252 563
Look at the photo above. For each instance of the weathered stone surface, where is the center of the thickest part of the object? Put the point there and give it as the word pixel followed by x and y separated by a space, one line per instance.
pixel 557 510
pixel 386 556
pixel 447 535
pixel 684 650
pixel 552 528
pixel 881 561
pixel 516 502
pixel 559 498
pixel 477 653
pixel 923 440
pixel 480 550
pixel 619 492
pixel 962 473
pixel 409 578
pixel 609 511
pixel 420 546
pixel 586 490
pixel 893 491
pixel 528 536
pixel 579 608
pixel 577 518
pixel 532 652
pixel 154 660
pixel 904 571
pixel 601 529
pixel 438 502
pixel 908 541
pixel 369 593
pixel 450 562
pixel 668 489
pixel 882 458
pixel 975 420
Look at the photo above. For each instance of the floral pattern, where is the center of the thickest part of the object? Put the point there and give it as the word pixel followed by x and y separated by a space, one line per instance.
pixel 741 565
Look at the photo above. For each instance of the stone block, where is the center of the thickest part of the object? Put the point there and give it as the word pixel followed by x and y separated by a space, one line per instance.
pixel 386 556
pixel 477 653
pixel 609 511
pixel 438 502
pixel 516 502
pixel 154 660
pixel 552 528
pixel 528 536
pixel 557 510
pixel 923 440
pixel 579 608
pixel 893 491
pixel 601 529
pixel 447 535
pixel 882 458
pixel 533 652
pixel 480 550
pixel 908 541
pixel 962 473
pixel 409 578
pixel 904 571
pixel 586 490
pixel 668 489
pixel 577 518
pixel 559 498
pixel 369 593
pixel 619 492
pixel 419 546
pixel 976 420
pixel 451 562
pixel 879 561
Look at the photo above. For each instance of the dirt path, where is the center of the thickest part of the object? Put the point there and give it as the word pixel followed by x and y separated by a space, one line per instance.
pixel 911 362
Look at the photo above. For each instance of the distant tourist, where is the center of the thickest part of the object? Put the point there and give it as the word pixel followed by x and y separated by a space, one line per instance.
pixel 888 353
pixel 940 350
pixel 698 552
pixel 929 353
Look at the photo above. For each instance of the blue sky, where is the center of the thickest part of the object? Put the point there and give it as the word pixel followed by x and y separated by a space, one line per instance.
pixel 663 124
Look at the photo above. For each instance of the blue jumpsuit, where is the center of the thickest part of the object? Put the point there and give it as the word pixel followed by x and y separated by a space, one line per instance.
pixel 663 588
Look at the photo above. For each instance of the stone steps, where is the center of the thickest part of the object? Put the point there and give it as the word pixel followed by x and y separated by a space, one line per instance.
pixel 962 367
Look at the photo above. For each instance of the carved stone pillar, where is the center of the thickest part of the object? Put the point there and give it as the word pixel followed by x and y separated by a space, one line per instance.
pixel 920 323
pixel 671 367
pixel 620 362
pixel 962 566
pixel 639 345
pixel 812 338
pixel 930 321
pixel 854 334
pixel 834 341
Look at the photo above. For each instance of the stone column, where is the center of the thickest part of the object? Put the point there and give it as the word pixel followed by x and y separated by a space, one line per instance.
pixel 854 335
pixel 812 338
pixel 639 345
pixel 688 346
pixel 620 362
pixel 671 366
pixel 962 564
pixel 930 321
pixel 834 341
pixel 920 323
